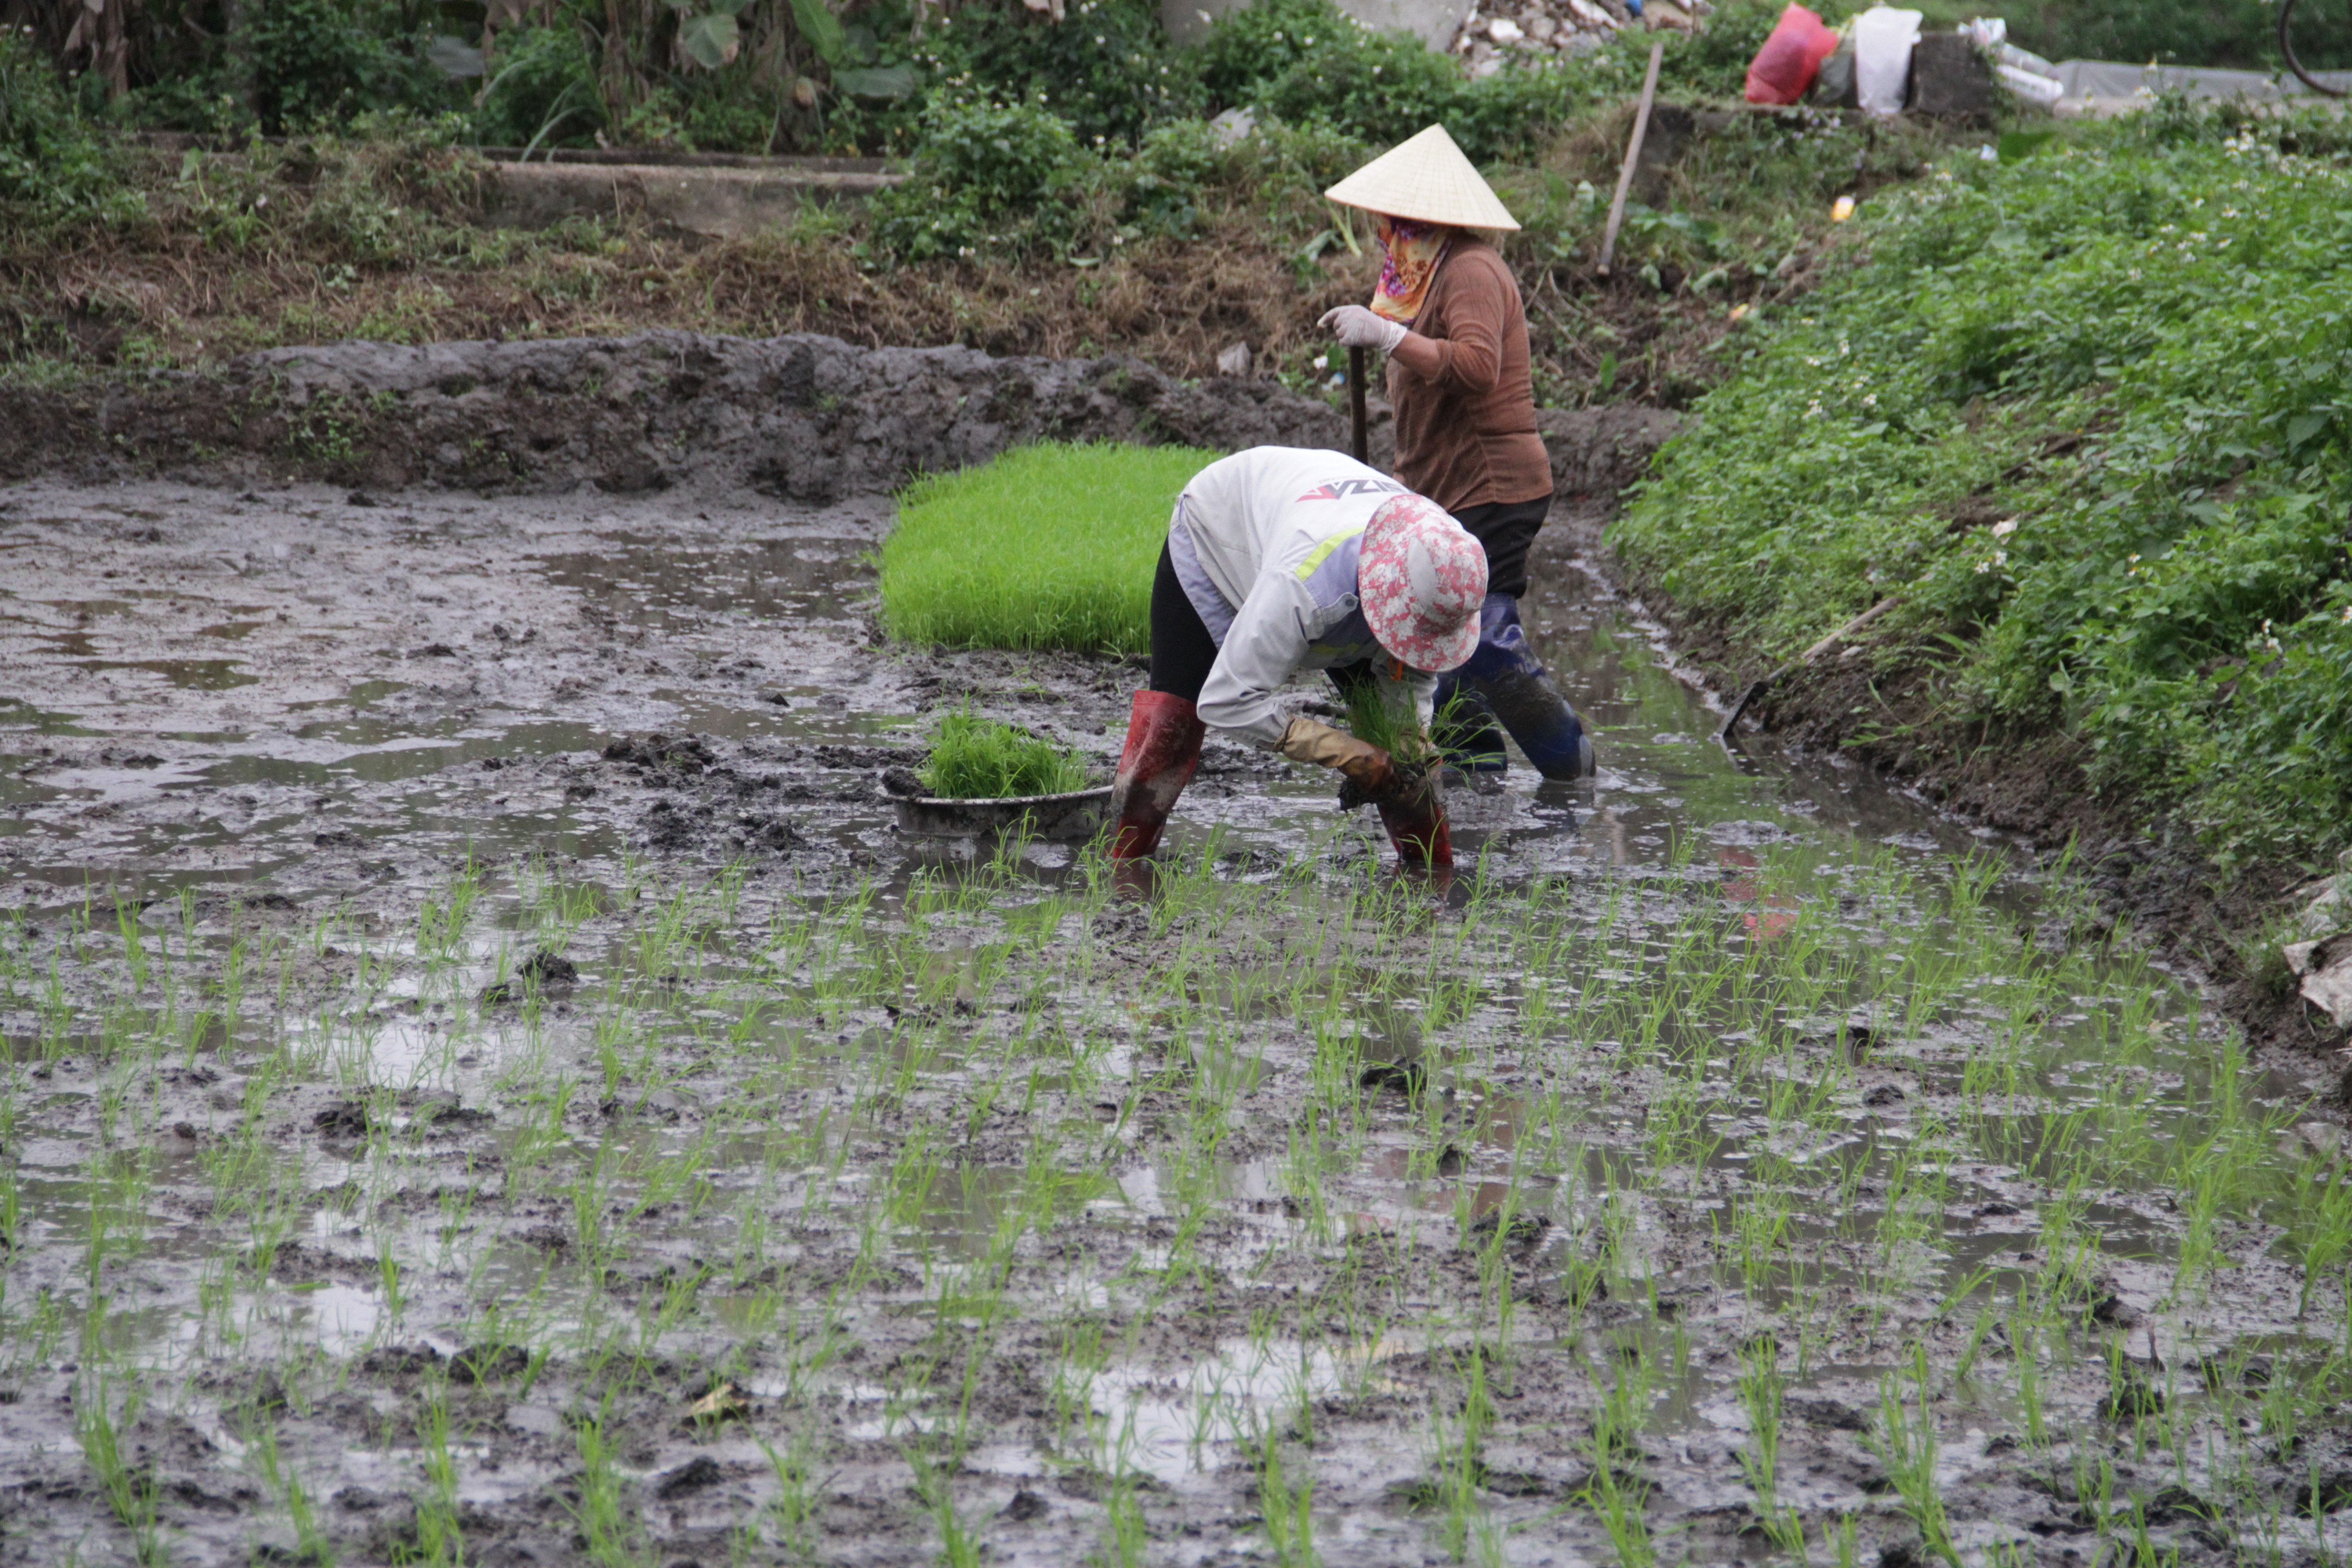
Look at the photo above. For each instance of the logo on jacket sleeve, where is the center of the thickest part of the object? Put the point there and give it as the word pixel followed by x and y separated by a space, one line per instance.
pixel 1338 490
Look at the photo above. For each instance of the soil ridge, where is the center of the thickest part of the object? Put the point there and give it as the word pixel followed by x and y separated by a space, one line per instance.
pixel 801 417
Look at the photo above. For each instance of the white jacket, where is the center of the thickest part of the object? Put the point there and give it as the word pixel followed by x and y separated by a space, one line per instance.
pixel 1264 544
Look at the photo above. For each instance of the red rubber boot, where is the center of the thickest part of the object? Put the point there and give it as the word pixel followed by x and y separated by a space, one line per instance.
pixel 1163 747
pixel 1423 840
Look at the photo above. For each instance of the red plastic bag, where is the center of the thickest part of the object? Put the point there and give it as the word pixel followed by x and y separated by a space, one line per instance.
pixel 1785 67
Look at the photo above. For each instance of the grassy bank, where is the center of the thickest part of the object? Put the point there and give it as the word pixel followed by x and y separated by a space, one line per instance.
pixel 2083 415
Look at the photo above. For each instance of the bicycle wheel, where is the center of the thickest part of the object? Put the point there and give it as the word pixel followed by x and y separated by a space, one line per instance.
pixel 2316 35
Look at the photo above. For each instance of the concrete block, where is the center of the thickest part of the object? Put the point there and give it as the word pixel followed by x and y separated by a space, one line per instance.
pixel 1950 78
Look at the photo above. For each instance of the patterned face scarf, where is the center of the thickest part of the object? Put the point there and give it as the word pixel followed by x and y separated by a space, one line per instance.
pixel 1410 252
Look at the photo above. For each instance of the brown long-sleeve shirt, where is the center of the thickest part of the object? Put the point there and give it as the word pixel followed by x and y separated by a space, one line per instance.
pixel 1467 438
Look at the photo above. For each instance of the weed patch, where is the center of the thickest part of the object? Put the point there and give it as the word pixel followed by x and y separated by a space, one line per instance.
pixel 1049 546
pixel 2084 414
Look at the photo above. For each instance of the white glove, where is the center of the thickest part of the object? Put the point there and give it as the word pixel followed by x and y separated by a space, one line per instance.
pixel 1358 328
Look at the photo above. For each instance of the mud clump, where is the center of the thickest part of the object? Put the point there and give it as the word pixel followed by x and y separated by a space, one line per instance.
pixel 689 755
pixel 544 968
pixel 695 1474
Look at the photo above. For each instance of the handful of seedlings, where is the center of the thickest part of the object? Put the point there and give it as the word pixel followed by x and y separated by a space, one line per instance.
pixel 974 758
pixel 1382 715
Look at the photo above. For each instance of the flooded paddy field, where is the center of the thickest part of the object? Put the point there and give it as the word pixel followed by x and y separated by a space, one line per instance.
pixel 485 1082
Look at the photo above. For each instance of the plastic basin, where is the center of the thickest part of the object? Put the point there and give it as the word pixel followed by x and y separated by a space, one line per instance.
pixel 1078 813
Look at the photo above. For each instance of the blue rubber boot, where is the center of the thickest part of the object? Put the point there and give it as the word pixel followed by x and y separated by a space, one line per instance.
pixel 1509 685
pixel 1465 730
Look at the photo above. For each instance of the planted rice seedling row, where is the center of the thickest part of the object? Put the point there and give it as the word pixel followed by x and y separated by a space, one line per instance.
pixel 984 1185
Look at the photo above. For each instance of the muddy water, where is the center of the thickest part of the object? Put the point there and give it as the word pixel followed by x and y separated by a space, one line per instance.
pixel 855 1197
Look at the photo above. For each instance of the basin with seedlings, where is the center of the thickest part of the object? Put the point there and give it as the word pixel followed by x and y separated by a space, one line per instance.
pixel 984 776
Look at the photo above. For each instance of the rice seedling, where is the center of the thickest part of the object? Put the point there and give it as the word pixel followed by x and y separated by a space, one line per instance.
pixel 1905 1439
pixel 974 758
pixel 1617 1492
pixel 1761 1395
pixel 129 1491
pixel 1287 1507
pixel 1047 546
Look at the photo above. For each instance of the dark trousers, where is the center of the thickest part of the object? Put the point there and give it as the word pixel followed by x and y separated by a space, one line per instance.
pixel 1504 530
pixel 1182 649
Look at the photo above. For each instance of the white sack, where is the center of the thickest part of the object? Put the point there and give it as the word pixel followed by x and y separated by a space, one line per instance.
pixel 1882 38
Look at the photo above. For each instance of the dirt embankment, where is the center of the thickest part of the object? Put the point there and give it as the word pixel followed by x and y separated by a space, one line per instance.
pixel 803 419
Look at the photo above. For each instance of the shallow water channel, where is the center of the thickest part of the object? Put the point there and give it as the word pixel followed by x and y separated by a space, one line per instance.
pixel 1735 1161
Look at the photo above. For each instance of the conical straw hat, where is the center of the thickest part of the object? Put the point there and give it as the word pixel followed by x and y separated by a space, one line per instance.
pixel 1426 179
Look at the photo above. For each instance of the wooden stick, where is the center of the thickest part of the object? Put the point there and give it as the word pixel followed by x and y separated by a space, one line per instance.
pixel 1633 156
pixel 1360 441
pixel 1756 687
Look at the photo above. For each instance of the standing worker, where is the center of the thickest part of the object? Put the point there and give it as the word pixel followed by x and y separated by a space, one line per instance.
pixel 1448 316
pixel 1281 559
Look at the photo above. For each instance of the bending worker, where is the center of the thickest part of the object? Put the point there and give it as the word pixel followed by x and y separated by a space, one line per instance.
pixel 1278 560
pixel 1448 316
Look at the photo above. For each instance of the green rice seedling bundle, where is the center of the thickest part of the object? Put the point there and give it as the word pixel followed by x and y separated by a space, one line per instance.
pixel 1382 715
pixel 1051 546
pixel 979 758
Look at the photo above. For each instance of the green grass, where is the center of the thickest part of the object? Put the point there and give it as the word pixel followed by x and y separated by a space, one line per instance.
pixel 1050 546
pixel 979 759
pixel 2085 414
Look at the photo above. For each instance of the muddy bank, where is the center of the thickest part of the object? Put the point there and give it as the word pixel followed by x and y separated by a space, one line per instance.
pixel 801 418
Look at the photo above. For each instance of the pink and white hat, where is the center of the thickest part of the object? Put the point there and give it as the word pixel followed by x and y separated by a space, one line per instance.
pixel 1422 581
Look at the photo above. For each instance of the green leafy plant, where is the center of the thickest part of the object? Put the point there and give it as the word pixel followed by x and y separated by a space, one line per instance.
pixel 1104 69
pixel 987 175
pixel 1310 63
pixel 541 90
pixel 53 164
pixel 981 759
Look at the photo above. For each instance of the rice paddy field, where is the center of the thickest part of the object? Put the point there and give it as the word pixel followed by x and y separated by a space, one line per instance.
pixel 521 1102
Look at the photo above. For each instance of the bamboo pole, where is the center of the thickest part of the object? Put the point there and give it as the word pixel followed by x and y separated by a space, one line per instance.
pixel 1633 156
pixel 1360 441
